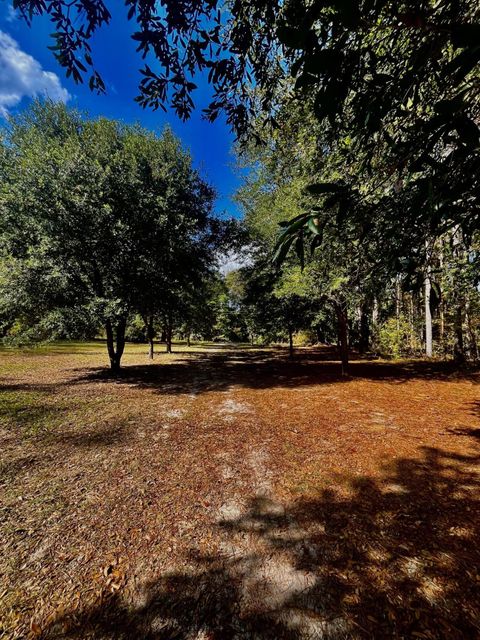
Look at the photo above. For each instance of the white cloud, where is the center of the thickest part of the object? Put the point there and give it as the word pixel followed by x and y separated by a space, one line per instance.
pixel 231 262
pixel 23 76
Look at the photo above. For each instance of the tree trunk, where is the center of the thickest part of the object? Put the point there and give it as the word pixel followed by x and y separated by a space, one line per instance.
pixel 342 326
pixel 442 320
pixel 442 296
pixel 150 334
pixel 398 300
pixel 168 337
pixel 472 340
pixel 460 255
pixel 375 314
pixel 364 341
pixel 428 316
pixel 411 322
pixel 290 341
pixel 115 352
pixel 189 344
pixel 110 344
pixel 459 346
pixel 121 326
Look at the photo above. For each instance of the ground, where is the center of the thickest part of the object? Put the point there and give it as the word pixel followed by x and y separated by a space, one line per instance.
pixel 224 492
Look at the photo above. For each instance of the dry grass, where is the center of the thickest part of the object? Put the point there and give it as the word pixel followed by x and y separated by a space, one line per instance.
pixel 222 493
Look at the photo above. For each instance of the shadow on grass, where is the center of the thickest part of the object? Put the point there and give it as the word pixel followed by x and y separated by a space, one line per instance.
pixel 22 407
pixel 396 557
pixel 108 436
pixel 199 371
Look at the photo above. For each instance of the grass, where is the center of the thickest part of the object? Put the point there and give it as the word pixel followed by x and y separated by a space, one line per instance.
pixel 228 491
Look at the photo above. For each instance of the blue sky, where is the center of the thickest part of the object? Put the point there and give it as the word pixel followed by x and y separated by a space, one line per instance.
pixel 27 68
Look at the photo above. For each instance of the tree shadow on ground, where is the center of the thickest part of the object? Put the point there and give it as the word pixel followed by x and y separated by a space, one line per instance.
pixel 260 369
pixel 468 431
pixel 394 557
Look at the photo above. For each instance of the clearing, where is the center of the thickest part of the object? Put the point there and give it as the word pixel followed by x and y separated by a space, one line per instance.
pixel 224 492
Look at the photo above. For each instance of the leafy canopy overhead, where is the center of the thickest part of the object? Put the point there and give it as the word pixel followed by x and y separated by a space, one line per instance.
pixel 367 62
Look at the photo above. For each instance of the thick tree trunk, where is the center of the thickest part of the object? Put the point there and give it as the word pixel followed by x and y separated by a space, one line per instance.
pixel 290 341
pixel 342 327
pixel 121 326
pixel 428 316
pixel 115 351
pixel 110 344
pixel 189 344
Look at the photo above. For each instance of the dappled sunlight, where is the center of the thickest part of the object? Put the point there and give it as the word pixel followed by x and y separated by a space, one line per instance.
pixel 373 563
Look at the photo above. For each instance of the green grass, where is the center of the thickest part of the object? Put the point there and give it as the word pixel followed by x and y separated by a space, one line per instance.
pixel 29 411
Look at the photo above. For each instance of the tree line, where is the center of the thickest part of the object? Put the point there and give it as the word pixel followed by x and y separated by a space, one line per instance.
pixel 107 229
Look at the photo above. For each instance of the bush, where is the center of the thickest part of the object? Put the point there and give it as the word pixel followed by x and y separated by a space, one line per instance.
pixel 135 331
pixel 60 324
pixel 304 338
pixel 394 338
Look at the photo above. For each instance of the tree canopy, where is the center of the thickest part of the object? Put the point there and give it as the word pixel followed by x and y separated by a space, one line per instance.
pixel 399 81
pixel 102 215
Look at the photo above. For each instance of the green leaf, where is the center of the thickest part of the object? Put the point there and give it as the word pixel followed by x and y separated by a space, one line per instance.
pixel 300 250
pixel 316 242
pixel 282 249
pixel 314 228
pixel 294 225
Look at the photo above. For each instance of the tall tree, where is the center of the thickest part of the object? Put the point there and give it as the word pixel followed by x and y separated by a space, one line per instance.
pixel 109 214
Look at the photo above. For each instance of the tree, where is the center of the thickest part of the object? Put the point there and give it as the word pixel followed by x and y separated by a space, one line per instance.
pixel 108 214
pixel 359 59
pixel 344 276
